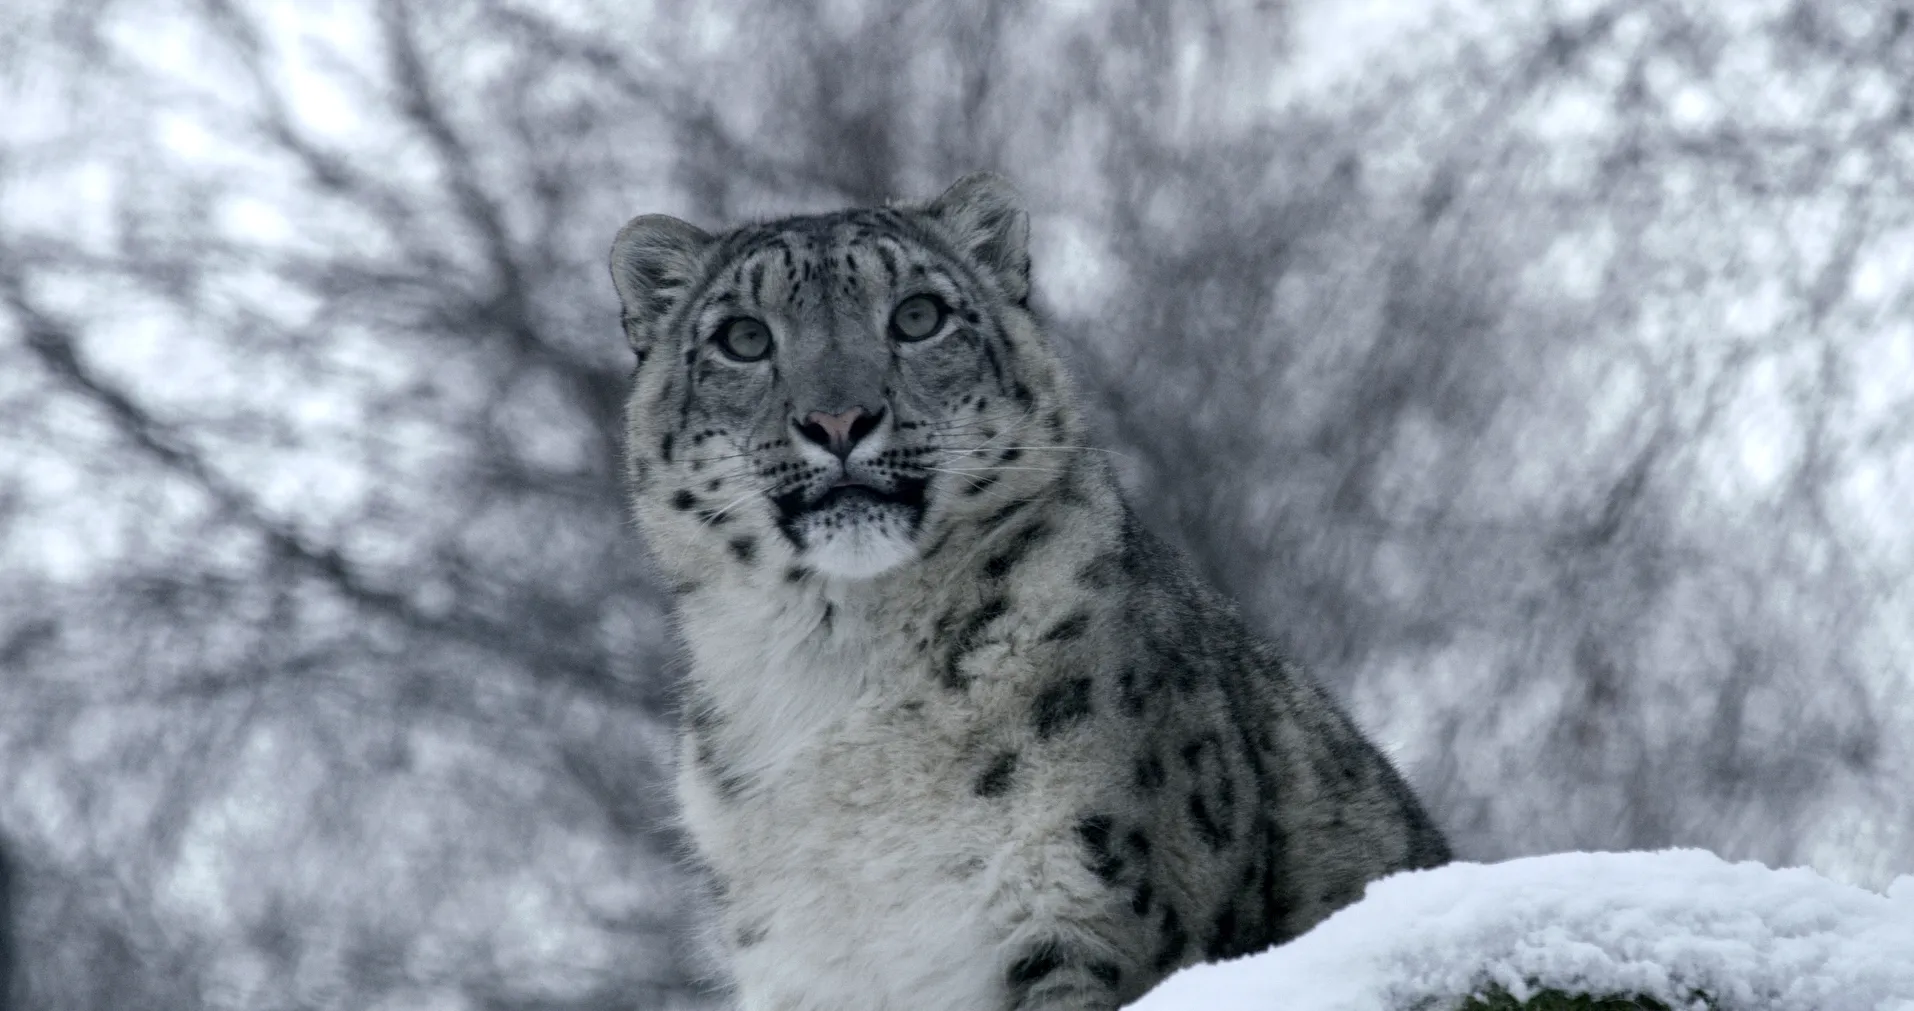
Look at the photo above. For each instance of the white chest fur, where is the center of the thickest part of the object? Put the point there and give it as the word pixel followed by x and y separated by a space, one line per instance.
pixel 861 869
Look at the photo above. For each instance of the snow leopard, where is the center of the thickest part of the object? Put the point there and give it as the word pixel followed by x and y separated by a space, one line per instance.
pixel 958 733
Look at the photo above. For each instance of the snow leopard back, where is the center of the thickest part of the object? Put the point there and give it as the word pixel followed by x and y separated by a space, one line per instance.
pixel 959 733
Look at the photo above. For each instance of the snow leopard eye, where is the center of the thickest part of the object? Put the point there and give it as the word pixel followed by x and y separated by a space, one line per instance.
pixel 917 317
pixel 744 340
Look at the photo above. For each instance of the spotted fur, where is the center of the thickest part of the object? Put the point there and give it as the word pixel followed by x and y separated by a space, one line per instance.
pixel 959 734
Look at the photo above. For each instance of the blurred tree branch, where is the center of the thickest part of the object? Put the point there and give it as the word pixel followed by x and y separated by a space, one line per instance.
pixel 1532 377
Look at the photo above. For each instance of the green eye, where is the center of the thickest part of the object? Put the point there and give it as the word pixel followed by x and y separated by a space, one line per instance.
pixel 917 317
pixel 744 340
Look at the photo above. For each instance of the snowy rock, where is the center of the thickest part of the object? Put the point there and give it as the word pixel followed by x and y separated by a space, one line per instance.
pixel 1666 925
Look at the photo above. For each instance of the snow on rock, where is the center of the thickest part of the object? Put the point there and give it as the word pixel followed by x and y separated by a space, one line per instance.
pixel 1663 925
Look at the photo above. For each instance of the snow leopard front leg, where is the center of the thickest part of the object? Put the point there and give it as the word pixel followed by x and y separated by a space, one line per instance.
pixel 1057 973
pixel 1095 922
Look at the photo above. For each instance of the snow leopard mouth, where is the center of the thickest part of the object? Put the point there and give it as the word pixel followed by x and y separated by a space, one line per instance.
pixel 850 502
pixel 848 494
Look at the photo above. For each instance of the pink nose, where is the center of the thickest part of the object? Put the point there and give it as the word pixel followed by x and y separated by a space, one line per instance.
pixel 839 433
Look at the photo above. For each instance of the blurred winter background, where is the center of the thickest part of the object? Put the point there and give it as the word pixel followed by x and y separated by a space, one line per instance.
pixel 1541 371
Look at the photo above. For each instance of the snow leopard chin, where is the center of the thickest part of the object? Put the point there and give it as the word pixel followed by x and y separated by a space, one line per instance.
pixel 855 534
pixel 860 551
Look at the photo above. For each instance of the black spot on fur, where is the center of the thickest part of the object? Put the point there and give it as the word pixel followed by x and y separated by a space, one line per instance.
pixel 1098 573
pixel 701 717
pixel 1043 958
pixel 1149 772
pixel 796 574
pixel 969 638
pixel 1253 927
pixel 1132 557
pixel 1131 696
pixel 1109 974
pixel 751 936
pixel 1140 901
pixel 936 546
pixel 1214 834
pixel 1068 629
pixel 683 500
pixel 744 549
pixel 1340 765
pixel 1019 545
pixel 1269 885
pixel 996 366
pixel 1174 940
pixel 996 779
pixel 664 447
pixel 1135 543
pixel 1102 860
pixel 1223 942
pixel 996 519
pixel 978 486
pixel 1070 491
pixel 1060 705
pixel 730 784
pixel 701 724
pixel 1181 673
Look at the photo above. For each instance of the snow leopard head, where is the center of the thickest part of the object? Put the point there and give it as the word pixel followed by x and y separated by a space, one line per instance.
pixel 835 392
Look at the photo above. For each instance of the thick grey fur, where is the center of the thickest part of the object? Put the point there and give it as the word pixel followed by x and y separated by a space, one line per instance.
pixel 965 737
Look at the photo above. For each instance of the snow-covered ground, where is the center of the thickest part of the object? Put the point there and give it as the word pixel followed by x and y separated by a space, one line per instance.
pixel 1664 924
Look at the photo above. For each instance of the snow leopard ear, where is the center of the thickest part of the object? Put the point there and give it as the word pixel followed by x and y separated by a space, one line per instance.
pixel 655 260
pixel 985 215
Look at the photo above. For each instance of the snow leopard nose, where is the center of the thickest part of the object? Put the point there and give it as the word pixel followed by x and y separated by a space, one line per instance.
pixel 839 433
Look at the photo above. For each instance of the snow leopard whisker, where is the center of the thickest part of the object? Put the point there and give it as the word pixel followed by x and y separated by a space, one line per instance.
pixel 721 457
pixel 718 514
pixel 993 470
pixel 976 478
pixel 1040 449
pixel 981 421
pixel 1006 433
